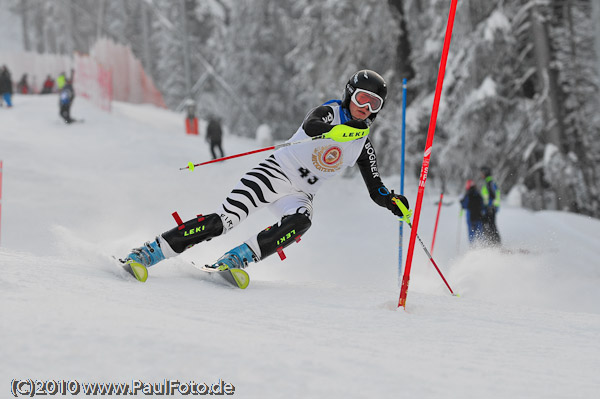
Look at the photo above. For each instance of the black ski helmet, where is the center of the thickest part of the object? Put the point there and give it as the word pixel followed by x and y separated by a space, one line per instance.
pixel 486 171
pixel 367 80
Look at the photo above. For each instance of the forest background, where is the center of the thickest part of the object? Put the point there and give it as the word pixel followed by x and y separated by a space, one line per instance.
pixel 521 92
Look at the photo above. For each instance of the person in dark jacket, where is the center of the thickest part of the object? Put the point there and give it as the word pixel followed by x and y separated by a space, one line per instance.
pixel 472 202
pixel 214 135
pixel 48 85
pixel 23 85
pixel 6 86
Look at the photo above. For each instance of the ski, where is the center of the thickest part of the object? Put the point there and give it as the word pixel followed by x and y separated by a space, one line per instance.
pixel 237 278
pixel 137 270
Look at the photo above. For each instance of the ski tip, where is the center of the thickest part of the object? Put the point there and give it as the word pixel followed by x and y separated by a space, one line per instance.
pixel 138 270
pixel 241 278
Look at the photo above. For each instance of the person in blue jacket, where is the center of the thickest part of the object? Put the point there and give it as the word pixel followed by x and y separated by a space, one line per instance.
pixel 66 95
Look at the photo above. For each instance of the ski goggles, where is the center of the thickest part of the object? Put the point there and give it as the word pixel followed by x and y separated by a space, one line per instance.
pixel 364 98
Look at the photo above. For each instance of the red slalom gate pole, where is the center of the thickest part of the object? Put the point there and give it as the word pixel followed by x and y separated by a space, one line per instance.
pixel 437 219
pixel 427 155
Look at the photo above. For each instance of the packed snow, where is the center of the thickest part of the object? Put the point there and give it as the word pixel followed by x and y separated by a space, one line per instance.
pixel 324 323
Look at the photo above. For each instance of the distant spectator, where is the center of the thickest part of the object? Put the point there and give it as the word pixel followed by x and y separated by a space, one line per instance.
pixel 473 204
pixel 491 204
pixel 214 135
pixel 191 121
pixel 23 85
pixel 66 97
pixel 48 85
pixel 6 86
pixel 61 80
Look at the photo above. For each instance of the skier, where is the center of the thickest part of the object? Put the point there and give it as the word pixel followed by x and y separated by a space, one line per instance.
pixel 66 96
pixel 473 203
pixel 6 86
pixel 491 204
pixel 214 136
pixel 288 181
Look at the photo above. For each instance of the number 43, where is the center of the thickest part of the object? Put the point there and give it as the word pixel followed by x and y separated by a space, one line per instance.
pixel 305 173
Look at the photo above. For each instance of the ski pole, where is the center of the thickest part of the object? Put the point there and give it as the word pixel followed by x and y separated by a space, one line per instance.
pixel 406 218
pixel 339 133
pixel 437 219
pixel 460 215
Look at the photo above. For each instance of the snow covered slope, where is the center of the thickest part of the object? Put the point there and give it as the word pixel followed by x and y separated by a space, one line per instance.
pixel 322 324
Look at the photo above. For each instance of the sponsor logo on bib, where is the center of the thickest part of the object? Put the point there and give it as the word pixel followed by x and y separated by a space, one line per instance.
pixel 327 159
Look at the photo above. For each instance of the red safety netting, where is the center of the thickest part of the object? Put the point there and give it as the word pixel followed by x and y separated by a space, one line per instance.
pixel 110 72
pixel 93 81
pixel 129 80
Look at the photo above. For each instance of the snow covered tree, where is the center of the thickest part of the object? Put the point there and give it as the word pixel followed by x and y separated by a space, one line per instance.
pixel 517 97
pixel 520 93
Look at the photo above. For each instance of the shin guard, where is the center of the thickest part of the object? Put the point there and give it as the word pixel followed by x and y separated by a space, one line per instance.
pixel 193 231
pixel 275 238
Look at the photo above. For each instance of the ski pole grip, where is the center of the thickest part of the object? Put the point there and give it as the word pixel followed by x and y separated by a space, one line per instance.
pixel 343 133
pixel 405 211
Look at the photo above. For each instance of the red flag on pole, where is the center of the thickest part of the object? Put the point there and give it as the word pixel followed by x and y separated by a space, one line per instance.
pixel 427 155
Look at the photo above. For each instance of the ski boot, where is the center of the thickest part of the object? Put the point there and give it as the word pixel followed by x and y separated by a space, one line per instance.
pixel 237 258
pixel 137 262
pixel 148 254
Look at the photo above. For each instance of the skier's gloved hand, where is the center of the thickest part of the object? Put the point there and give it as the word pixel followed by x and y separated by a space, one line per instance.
pixel 394 207
pixel 384 198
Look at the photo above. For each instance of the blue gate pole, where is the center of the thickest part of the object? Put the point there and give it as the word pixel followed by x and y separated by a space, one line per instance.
pixel 402 178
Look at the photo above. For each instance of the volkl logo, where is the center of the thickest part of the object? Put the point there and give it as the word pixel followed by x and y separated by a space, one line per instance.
pixel 328 118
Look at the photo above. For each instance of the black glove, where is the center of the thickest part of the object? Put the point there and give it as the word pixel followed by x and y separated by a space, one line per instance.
pixel 386 199
pixel 392 205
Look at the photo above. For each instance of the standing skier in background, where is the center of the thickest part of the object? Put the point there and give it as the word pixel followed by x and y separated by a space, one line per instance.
pixel 66 95
pixel 491 204
pixel 6 86
pixel 214 136
pixel 473 203
pixel 288 181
